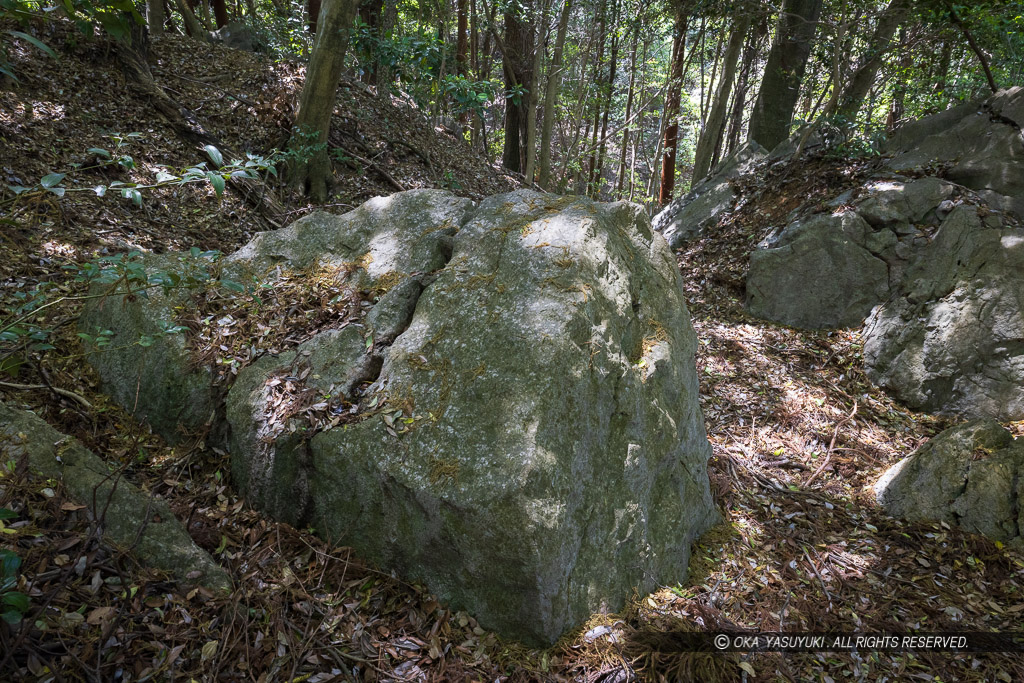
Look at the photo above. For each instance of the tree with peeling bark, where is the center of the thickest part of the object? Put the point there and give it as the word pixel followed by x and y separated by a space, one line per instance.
pixel 309 168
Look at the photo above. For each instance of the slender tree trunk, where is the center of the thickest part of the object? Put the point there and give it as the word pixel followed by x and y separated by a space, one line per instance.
pixel 969 37
pixel 672 102
pixel 739 103
pixel 204 14
pixel 608 97
pixel 462 52
pixel 312 15
pixel 639 144
pixel 371 13
pixel 853 95
pixel 531 112
pixel 784 71
pixel 598 81
pixel 551 96
pixel 155 17
pixel 462 38
pixel 311 170
pixel 705 101
pixel 899 95
pixel 516 65
pixel 621 175
pixel 715 125
pixel 192 26
pixel 945 57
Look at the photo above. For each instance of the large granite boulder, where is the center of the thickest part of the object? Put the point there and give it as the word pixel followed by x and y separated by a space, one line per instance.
pixel 980 142
pixel 690 216
pixel 127 516
pixel 535 450
pixel 142 365
pixel 953 342
pixel 969 475
pixel 513 419
pixel 817 273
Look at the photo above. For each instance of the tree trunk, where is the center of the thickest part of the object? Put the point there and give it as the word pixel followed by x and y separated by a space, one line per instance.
pixel 371 13
pixel 969 37
pixel 739 101
pixel 621 175
pixel 784 71
pixel 853 95
pixel 155 17
pixel 220 12
pixel 608 95
pixel 602 36
pixel 551 96
pixel 942 74
pixel 204 14
pixel 672 101
pixel 312 14
pixel 192 26
pixel 534 101
pixel 310 171
pixel 516 64
pixel 715 125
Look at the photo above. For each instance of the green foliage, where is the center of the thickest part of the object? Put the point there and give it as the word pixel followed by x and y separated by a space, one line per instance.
pixel 250 168
pixel 284 35
pixel 24 332
pixel 466 96
pixel 13 603
pixel 423 64
pixel 22 13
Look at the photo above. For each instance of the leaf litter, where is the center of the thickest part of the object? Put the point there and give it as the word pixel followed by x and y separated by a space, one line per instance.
pixel 798 434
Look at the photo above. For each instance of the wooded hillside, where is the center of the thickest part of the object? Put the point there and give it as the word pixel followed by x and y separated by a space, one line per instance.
pixel 509 340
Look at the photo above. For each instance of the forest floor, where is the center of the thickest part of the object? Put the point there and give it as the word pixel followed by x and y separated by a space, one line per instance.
pixel 799 435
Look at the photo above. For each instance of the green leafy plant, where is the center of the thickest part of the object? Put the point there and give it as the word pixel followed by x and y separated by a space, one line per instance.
pixel 13 603
pixel 22 13
pixel 468 97
pixel 126 274
pixel 55 183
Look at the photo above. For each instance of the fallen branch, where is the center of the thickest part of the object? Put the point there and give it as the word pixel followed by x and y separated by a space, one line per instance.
pixel 831 446
pixel 57 390
pixel 380 171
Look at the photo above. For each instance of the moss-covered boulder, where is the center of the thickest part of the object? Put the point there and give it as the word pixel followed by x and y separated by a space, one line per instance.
pixel 143 367
pixel 524 434
pixel 971 475
pixel 128 517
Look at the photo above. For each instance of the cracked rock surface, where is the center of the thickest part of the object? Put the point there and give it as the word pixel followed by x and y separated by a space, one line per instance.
pixel 518 420
pixel 968 475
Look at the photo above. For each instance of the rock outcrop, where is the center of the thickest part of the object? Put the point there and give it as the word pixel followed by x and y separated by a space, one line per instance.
pixel 127 516
pixel 952 341
pixel 971 475
pixel 514 421
pixel 143 368
pixel 929 251
pixel 829 251
pixel 694 213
